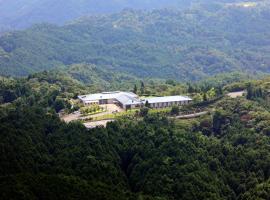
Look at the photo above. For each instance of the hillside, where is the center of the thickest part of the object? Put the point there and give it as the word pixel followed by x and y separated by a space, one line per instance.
pixel 223 155
pixel 181 45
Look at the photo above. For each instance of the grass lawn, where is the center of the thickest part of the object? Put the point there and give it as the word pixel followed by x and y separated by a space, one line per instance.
pixel 115 115
pixel 95 112
pixel 130 113
pixel 160 110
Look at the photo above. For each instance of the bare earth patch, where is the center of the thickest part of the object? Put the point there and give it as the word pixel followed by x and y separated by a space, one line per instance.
pixel 71 117
pixel 236 94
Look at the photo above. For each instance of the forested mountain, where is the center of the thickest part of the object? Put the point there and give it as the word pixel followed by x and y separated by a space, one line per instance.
pixel 182 45
pixel 16 14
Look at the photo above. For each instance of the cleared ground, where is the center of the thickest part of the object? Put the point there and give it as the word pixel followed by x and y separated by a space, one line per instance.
pixel 71 117
pixel 110 109
pixel 236 94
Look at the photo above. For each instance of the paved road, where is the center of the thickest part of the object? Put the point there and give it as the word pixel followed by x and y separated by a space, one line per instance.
pixel 190 116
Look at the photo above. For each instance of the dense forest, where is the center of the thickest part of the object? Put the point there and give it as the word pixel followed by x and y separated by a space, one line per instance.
pixel 223 155
pixel 189 44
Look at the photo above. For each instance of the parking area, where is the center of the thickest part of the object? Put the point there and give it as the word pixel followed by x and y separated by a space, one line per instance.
pixel 110 109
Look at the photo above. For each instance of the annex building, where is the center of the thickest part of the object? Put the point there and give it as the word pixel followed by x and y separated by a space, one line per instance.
pixel 129 100
pixel 167 101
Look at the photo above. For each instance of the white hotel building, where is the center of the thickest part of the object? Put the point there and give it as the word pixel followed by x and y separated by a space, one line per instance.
pixel 129 100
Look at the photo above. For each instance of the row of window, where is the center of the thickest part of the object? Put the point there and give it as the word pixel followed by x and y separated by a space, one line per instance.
pixel 91 103
pixel 168 104
pixel 153 105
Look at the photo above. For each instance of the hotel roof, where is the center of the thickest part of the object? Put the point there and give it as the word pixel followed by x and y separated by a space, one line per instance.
pixel 129 98
pixel 126 98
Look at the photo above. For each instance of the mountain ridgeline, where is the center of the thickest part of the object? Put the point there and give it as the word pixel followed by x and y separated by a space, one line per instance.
pixel 29 12
pixel 184 45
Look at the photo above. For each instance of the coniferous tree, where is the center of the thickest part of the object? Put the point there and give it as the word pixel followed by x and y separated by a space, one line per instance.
pixel 144 111
pixel 259 93
pixel 175 110
pixel 219 91
pixel 147 104
pixel 249 91
pixel 142 87
pixel 135 89
pixel 204 97
pixel 190 88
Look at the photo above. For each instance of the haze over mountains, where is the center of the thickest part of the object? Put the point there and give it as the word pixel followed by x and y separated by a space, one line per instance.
pixel 16 14
pixel 23 13
pixel 188 44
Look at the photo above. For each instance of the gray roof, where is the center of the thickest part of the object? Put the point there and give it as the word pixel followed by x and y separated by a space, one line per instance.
pixel 167 99
pixel 105 95
pixel 127 100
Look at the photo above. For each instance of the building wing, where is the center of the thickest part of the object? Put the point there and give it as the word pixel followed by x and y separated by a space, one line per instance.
pixel 168 99
pixel 128 100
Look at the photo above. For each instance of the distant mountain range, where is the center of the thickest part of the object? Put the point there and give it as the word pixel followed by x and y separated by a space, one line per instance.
pixel 17 14
pixel 188 44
